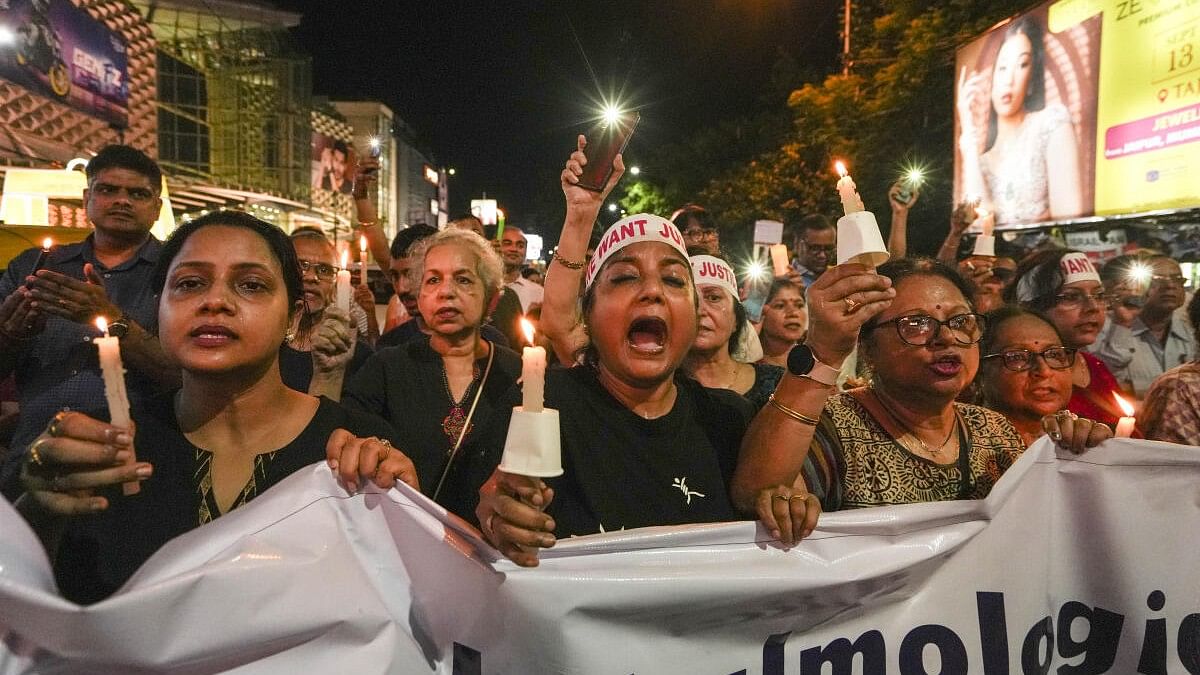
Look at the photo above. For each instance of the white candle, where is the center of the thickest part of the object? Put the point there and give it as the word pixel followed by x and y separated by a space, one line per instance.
pixel 114 387
pixel 533 372
pixel 1126 424
pixel 848 191
pixel 985 243
pixel 362 258
pixel 779 258
pixel 343 284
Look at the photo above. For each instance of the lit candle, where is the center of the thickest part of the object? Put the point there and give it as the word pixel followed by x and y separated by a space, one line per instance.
pixel 362 258
pixel 848 191
pixel 343 283
pixel 985 243
pixel 114 387
pixel 533 372
pixel 1126 424
pixel 779 258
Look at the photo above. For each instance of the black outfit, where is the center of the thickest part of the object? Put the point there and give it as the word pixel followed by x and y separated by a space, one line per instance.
pixel 410 330
pixel 766 379
pixel 99 552
pixel 507 317
pixel 296 367
pixel 622 471
pixel 406 386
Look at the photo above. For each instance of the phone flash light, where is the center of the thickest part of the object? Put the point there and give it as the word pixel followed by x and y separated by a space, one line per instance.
pixel 374 143
pixel 757 270
pixel 611 114
pixel 1140 274
pixel 914 177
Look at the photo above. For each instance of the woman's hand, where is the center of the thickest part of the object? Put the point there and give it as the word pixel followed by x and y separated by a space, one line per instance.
pixel 582 202
pixel 511 518
pixel 333 341
pixel 366 174
pixel 72 458
pixel 374 458
pixel 788 513
pixel 899 205
pixel 1075 433
pixel 840 301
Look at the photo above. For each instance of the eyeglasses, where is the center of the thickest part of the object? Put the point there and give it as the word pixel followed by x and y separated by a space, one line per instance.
pixel 1020 360
pixel 136 194
pixel 322 270
pixel 817 248
pixel 700 234
pixel 919 329
pixel 1172 279
pixel 1073 298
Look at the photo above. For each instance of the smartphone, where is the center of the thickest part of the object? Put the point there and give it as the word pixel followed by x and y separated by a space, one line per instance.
pixel 905 194
pixel 604 143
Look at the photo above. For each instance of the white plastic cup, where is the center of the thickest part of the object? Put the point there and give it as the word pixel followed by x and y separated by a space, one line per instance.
pixel 859 240
pixel 534 446
pixel 985 245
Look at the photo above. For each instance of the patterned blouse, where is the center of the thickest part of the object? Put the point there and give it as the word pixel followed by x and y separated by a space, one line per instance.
pixel 854 463
pixel 1171 411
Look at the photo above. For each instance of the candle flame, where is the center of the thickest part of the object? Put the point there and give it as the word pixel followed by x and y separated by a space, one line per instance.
pixel 362 243
pixel 102 324
pixel 47 243
pixel 1126 407
pixel 841 168
pixel 345 259
pixel 527 329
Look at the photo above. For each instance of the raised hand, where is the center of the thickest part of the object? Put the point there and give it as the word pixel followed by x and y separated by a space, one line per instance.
pixel 840 302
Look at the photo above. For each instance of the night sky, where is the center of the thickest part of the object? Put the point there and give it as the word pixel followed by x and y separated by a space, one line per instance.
pixel 497 90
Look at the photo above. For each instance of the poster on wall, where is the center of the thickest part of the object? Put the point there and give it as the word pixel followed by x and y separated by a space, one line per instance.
pixel 1079 108
pixel 59 51
pixel 332 164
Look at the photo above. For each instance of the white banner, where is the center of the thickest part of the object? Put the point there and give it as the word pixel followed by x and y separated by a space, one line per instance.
pixel 1086 562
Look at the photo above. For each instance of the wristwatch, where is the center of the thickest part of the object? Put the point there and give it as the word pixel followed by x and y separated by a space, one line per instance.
pixel 803 363
pixel 119 328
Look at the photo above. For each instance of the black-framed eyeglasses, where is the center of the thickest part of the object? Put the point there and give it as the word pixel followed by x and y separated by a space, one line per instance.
pixel 828 249
pixel 1020 360
pixel 1171 279
pixel 919 329
pixel 1073 297
pixel 700 234
pixel 322 270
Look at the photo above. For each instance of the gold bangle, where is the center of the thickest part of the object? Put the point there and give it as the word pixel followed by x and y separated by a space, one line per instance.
pixel 569 264
pixel 796 415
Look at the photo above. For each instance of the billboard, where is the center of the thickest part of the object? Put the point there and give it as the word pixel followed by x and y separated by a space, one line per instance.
pixel 332 164
pixel 1079 108
pixel 59 51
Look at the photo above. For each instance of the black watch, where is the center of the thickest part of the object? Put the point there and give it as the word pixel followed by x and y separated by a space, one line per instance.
pixel 119 328
pixel 803 363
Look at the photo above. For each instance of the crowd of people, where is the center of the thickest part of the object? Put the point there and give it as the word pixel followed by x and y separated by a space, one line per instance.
pixel 680 400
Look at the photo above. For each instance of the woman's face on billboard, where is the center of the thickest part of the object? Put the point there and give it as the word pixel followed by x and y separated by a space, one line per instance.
pixel 1010 76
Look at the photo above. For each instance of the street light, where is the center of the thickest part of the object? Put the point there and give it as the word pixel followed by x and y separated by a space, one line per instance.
pixel 612 207
pixel 451 171
pixel 635 170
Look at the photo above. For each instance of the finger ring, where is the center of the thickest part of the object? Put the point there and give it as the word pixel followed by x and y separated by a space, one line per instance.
pixel 798 495
pixel 53 428
pixel 783 497
pixel 34 455
pixel 851 304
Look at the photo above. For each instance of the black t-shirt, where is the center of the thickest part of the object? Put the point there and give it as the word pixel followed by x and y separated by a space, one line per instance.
pixel 411 330
pixel 406 386
pixel 99 552
pixel 622 471
pixel 296 367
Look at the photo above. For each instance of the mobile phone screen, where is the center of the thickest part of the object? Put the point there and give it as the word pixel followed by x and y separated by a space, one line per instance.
pixel 604 143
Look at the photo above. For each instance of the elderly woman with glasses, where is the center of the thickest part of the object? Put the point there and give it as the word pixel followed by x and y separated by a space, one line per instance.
pixel 904 438
pixel 1026 371
pixel 1064 286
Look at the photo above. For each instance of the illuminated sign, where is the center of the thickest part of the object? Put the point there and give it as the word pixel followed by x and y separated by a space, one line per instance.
pixel 431 175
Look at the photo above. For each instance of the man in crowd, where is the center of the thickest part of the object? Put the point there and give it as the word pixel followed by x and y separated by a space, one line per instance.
pixel 1138 347
pixel 814 240
pixel 47 322
pixel 513 247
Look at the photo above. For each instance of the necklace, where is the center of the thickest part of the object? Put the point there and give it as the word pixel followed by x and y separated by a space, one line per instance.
pixel 936 452
pixel 456 418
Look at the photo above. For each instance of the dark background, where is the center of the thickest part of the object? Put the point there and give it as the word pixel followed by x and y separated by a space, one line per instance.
pixel 497 90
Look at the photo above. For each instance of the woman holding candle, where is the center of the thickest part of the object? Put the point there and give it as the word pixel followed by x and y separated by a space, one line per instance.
pixel 446 391
pixel 904 438
pixel 1065 287
pixel 641 443
pixel 726 352
pixel 230 284
pixel 784 321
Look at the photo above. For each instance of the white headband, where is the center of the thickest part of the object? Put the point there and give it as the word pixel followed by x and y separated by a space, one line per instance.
pixel 711 271
pixel 634 230
pixel 1072 267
